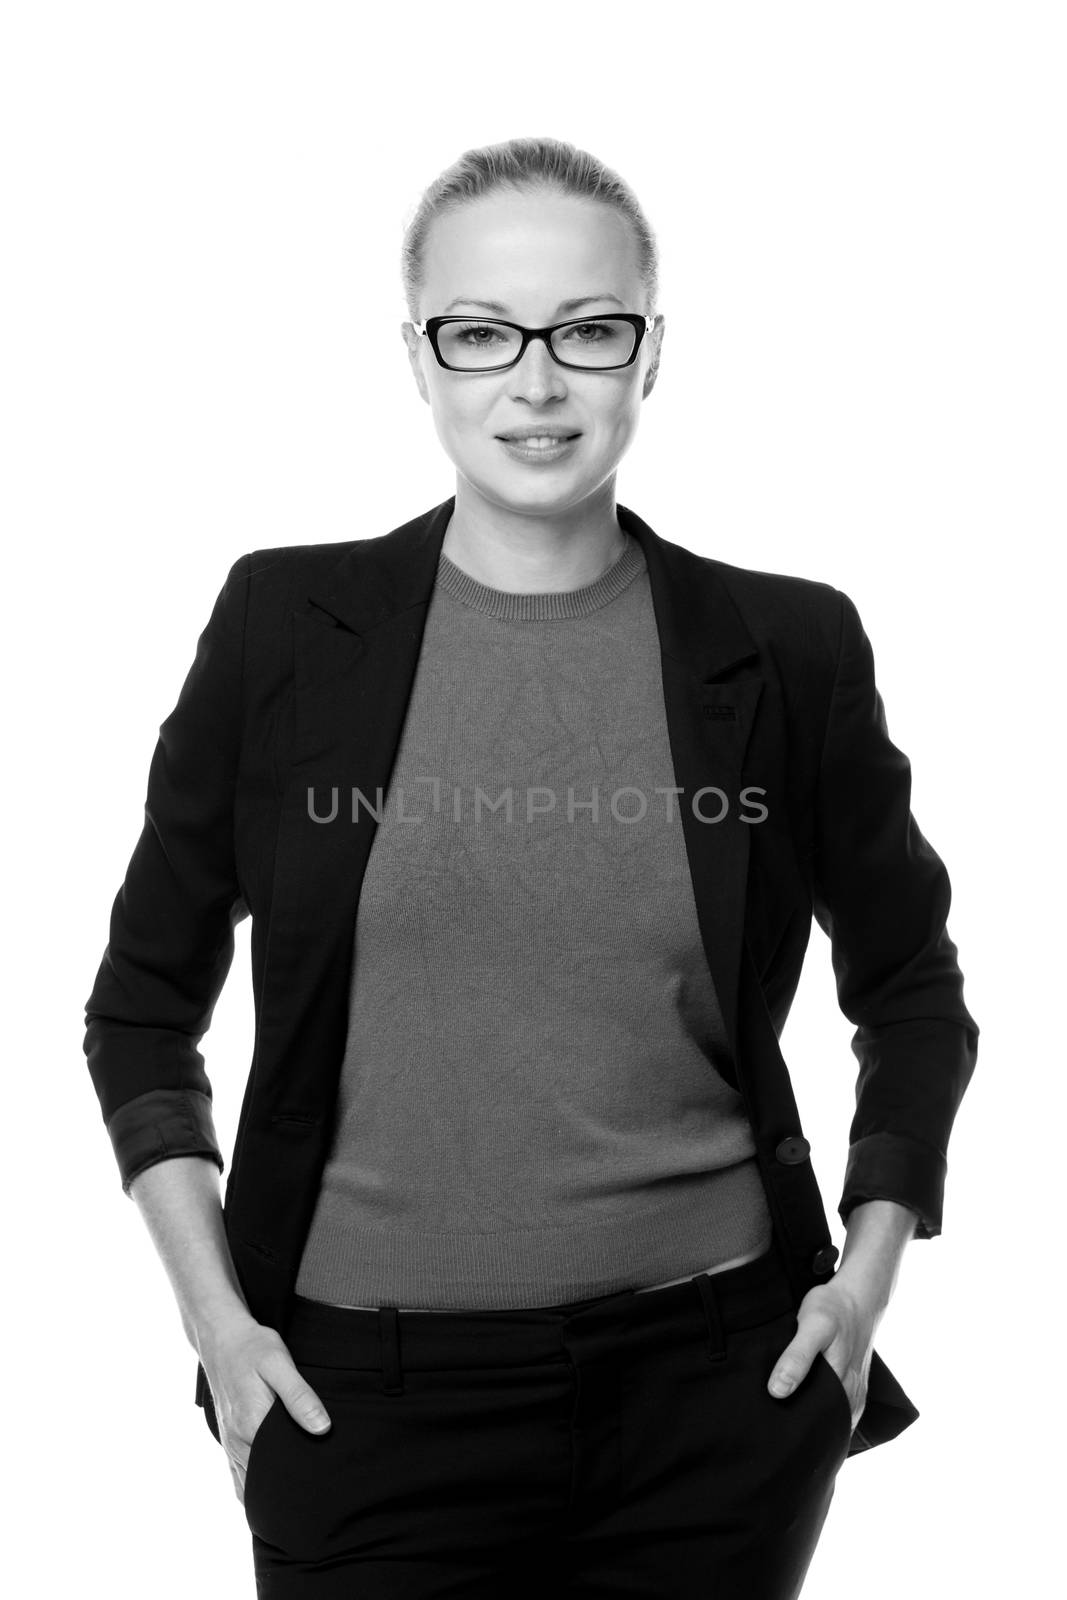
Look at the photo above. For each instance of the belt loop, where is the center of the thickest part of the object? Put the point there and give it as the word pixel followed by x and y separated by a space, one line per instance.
pixel 716 1339
pixel 389 1335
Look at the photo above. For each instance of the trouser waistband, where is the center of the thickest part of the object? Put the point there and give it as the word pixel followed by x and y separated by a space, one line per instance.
pixel 388 1338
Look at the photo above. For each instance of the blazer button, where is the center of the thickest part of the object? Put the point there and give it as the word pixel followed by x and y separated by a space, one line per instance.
pixel 794 1150
pixel 823 1260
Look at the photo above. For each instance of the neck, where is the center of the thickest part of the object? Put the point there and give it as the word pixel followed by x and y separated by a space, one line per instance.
pixel 532 552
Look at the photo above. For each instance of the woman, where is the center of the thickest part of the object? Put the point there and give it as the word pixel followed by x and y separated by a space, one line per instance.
pixel 523 1282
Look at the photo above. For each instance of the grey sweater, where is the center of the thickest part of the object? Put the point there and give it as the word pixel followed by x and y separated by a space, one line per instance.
pixel 529 1108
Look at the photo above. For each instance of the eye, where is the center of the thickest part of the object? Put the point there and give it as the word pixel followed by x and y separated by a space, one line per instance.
pixel 461 330
pixel 583 331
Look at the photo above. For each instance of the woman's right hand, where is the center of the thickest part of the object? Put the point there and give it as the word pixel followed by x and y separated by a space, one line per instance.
pixel 247 1364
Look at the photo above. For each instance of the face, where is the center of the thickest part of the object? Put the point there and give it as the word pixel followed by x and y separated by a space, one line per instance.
pixel 531 252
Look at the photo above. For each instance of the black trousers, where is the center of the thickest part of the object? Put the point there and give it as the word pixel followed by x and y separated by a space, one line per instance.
pixel 620 1446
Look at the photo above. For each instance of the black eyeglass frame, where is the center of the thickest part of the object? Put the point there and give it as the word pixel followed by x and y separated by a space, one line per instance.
pixel 640 324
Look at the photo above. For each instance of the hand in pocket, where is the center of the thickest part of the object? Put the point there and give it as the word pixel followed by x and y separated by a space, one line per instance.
pixel 834 1325
pixel 249 1367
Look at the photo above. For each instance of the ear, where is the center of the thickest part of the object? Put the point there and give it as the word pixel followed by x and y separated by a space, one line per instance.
pixel 412 340
pixel 655 343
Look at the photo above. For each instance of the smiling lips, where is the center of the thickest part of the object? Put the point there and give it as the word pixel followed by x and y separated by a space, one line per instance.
pixel 538 441
pixel 546 441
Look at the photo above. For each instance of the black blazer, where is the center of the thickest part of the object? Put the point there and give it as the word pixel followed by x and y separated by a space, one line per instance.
pixel 301 681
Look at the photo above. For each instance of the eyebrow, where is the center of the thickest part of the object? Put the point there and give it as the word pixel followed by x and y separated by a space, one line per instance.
pixel 501 310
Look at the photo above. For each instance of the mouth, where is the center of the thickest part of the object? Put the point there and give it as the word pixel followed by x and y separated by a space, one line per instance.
pixel 538 443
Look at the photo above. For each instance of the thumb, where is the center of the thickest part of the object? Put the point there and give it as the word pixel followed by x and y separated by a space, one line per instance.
pixel 304 1405
pixel 791 1368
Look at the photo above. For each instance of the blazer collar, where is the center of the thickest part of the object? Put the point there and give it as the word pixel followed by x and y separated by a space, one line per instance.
pixel 698 623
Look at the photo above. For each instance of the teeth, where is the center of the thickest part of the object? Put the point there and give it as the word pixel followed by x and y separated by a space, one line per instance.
pixel 541 442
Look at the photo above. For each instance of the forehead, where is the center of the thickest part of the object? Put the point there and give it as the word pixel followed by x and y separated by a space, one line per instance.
pixel 530 250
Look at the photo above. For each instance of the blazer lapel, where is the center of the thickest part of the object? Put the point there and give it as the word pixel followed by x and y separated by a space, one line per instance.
pixel 356 645
pixel 711 690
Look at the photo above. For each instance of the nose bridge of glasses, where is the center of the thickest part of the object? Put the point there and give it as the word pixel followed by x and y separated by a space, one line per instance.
pixel 541 340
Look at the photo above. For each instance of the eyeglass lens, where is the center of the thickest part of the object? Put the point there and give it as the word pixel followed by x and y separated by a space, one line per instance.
pixel 601 342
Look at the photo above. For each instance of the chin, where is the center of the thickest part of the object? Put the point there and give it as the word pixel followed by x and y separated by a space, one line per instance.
pixel 513 485
pixel 556 496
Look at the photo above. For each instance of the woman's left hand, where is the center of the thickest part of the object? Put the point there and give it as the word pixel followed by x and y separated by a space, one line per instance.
pixel 838 1321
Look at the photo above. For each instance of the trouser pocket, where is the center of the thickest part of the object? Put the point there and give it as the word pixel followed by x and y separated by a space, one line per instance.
pixel 257 1450
pixel 838 1390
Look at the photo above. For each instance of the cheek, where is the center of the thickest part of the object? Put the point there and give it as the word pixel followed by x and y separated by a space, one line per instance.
pixel 624 417
pixel 458 421
pixel 456 407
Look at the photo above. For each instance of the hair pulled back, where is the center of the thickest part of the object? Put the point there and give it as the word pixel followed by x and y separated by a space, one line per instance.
pixel 524 164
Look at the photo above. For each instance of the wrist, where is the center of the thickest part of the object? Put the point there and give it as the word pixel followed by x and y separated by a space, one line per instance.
pixel 211 1325
pixel 877 1232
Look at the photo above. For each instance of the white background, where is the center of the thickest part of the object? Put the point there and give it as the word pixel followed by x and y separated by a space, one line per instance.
pixel 860 210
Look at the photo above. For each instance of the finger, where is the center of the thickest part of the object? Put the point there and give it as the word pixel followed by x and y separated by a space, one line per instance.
pixel 792 1367
pixel 294 1391
pixel 238 1476
pixel 304 1405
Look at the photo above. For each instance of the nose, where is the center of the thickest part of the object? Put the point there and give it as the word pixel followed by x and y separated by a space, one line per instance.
pixel 537 375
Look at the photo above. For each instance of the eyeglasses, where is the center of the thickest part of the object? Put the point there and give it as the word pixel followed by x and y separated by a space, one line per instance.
pixel 477 344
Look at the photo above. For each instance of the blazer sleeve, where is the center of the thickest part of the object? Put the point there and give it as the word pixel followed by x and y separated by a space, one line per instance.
pixel 882 894
pixel 171 939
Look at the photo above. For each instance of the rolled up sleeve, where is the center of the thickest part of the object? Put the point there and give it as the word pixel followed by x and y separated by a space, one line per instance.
pixel 171 937
pixel 882 896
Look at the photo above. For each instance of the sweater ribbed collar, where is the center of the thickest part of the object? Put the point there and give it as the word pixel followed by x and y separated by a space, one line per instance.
pixel 551 606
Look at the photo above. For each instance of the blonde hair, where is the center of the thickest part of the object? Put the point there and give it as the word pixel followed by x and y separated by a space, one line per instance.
pixel 525 164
